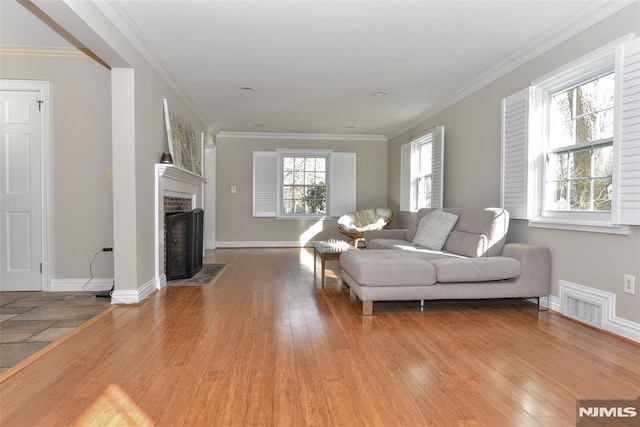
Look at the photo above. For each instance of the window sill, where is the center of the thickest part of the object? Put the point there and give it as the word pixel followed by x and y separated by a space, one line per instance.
pixel 304 218
pixel 579 225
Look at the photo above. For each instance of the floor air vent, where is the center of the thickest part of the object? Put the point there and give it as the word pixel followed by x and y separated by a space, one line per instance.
pixel 584 304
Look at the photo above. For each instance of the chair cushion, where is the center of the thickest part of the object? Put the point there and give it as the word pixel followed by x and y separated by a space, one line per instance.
pixel 434 229
pixel 366 219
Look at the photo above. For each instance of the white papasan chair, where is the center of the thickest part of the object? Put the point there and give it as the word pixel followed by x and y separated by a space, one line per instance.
pixel 355 224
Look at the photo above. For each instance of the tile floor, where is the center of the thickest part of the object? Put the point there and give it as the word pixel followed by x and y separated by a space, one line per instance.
pixel 29 321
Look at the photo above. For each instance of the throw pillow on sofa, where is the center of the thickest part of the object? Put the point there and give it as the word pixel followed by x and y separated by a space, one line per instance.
pixel 434 229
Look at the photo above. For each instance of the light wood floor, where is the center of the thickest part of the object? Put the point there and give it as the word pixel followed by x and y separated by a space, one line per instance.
pixel 265 345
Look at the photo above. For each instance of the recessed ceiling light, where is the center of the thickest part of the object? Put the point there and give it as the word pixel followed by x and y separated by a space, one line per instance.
pixel 246 89
pixel 380 93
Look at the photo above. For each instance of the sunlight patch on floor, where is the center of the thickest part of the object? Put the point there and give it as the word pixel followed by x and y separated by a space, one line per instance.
pixel 306 258
pixel 114 408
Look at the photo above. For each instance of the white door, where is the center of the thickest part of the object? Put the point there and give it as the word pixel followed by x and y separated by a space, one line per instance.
pixel 20 191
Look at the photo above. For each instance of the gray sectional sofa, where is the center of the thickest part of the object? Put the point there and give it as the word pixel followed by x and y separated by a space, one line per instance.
pixel 474 262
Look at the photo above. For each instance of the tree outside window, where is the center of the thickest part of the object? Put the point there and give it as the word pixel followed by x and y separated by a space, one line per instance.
pixel 304 189
pixel 579 160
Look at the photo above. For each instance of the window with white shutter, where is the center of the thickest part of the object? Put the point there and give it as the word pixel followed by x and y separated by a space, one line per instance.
pixel 421 171
pixel 571 144
pixel 303 183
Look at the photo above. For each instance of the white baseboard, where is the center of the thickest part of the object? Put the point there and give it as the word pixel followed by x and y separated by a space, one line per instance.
pixel 133 296
pixel 262 244
pixel 610 322
pixel 99 285
pixel 77 285
pixel 161 282
pixel 553 303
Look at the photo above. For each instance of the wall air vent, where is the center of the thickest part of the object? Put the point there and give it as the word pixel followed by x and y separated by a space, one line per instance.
pixel 583 311
pixel 584 304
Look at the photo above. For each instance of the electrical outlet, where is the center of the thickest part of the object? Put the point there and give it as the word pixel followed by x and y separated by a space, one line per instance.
pixel 629 284
pixel 233 189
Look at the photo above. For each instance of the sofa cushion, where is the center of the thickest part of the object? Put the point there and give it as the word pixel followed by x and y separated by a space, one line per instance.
pixel 452 270
pixel 434 229
pixel 411 233
pixel 387 268
pixel 468 244
pixel 492 222
pixel 390 244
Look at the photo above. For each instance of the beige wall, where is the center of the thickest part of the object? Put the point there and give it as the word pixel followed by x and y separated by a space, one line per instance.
pixel 82 197
pixel 140 88
pixel 83 127
pixel 235 225
pixel 472 171
pixel 151 142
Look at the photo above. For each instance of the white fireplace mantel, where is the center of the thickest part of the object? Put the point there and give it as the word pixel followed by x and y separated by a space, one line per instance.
pixel 172 181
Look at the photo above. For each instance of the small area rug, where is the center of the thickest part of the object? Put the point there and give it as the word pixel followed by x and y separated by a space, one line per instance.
pixel 204 276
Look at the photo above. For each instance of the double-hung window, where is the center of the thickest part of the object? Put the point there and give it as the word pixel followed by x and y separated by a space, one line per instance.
pixel 571 144
pixel 303 184
pixel 422 172
pixel 579 149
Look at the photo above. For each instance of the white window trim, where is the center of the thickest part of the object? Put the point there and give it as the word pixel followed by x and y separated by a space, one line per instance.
pixel 341 172
pixel 591 66
pixel 280 154
pixel 409 170
pixel 526 201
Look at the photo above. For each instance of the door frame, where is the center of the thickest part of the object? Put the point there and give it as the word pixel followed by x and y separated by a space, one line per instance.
pixel 43 87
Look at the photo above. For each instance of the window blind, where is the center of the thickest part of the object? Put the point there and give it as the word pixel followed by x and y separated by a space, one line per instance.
pixel 405 177
pixel 514 180
pixel 626 183
pixel 265 183
pixel 342 194
pixel 437 184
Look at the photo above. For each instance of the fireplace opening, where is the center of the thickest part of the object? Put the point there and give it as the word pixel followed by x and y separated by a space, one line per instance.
pixel 184 244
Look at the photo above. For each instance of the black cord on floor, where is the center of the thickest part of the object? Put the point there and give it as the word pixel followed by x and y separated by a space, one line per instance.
pixel 84 287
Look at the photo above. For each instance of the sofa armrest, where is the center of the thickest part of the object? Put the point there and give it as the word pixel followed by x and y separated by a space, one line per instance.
pixel 393 233
pixel 536 267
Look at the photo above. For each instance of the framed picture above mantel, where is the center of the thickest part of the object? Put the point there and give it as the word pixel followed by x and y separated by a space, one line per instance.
pixel 185 148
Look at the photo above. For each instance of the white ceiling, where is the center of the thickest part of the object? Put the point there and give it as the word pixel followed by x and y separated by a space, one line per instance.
pixel 314 65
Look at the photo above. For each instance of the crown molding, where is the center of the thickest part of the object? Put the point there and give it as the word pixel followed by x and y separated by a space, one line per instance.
pixel 119 17
pixel 301 136
pixel 590 16
pixel 42 52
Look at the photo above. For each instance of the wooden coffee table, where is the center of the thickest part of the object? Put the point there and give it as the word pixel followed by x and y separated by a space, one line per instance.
pixel 327 250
